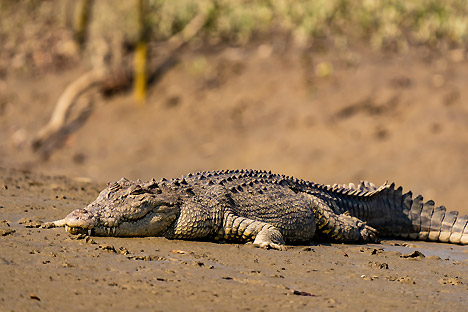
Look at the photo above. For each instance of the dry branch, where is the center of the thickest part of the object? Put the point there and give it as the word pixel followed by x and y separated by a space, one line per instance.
pixel 107 81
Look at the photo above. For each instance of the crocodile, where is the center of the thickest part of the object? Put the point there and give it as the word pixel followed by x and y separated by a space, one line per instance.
pixel 268 209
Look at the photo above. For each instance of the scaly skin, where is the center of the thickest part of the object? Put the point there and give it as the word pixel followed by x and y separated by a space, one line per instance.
pixel 268 209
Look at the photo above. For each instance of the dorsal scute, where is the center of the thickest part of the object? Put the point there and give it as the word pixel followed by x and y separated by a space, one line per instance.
pixel 363 189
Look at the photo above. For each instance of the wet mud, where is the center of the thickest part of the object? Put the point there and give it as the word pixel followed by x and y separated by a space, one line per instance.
pixel 49 269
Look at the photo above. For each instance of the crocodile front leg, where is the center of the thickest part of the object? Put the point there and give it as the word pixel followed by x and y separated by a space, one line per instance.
pixel 262 234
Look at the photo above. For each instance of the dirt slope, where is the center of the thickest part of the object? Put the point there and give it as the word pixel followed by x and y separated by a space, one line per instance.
pixel 375 116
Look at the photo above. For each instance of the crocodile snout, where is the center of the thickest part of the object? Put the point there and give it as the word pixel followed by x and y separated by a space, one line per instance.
pixel 80 218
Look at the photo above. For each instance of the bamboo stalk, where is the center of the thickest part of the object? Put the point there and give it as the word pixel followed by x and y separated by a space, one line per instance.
pixel 140 60
pixel 140 81
pixel 81 21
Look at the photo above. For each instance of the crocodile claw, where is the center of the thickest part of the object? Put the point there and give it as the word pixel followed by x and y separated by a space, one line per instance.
pixel 270 245
pixel 369 234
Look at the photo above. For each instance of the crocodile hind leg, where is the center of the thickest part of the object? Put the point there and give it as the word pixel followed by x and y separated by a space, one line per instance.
pixel 340 227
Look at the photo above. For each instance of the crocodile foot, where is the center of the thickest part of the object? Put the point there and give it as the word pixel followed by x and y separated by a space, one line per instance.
pixel 269 238
pixel 369 234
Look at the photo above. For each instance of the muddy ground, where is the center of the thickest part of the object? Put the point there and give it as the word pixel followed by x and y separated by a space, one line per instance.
pixel 327 117
pixel 44 269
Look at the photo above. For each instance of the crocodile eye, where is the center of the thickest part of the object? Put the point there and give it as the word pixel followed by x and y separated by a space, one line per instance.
pixel 135 190
pixel 164 209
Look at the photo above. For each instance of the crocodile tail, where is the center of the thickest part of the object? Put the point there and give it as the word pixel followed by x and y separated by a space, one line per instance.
pixel 401 215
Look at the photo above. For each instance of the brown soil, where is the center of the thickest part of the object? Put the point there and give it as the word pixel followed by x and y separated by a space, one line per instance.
pixel 49 269
pixel 330 118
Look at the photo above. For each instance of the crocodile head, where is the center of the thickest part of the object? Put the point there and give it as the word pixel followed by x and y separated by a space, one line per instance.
pixel 126 208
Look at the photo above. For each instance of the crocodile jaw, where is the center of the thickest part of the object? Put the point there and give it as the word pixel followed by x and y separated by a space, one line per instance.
pixel 125 209
pixel 143 217
pixel 152 224
pixel 79 219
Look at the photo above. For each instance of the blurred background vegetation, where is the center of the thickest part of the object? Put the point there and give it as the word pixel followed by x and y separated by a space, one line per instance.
pixel 337 24
pixel 127 34
pixel 393 23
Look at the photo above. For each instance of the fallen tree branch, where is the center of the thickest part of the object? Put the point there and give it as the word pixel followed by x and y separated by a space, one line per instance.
pixel 106 81
pixel 44 140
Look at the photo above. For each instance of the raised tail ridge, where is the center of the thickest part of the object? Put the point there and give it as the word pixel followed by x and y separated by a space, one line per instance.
pixel 398 214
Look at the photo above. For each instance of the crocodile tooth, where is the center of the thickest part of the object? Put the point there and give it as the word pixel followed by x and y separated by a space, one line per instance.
pixel 66 228
pixel 113 230
pixel 89 232
pixel 108 231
